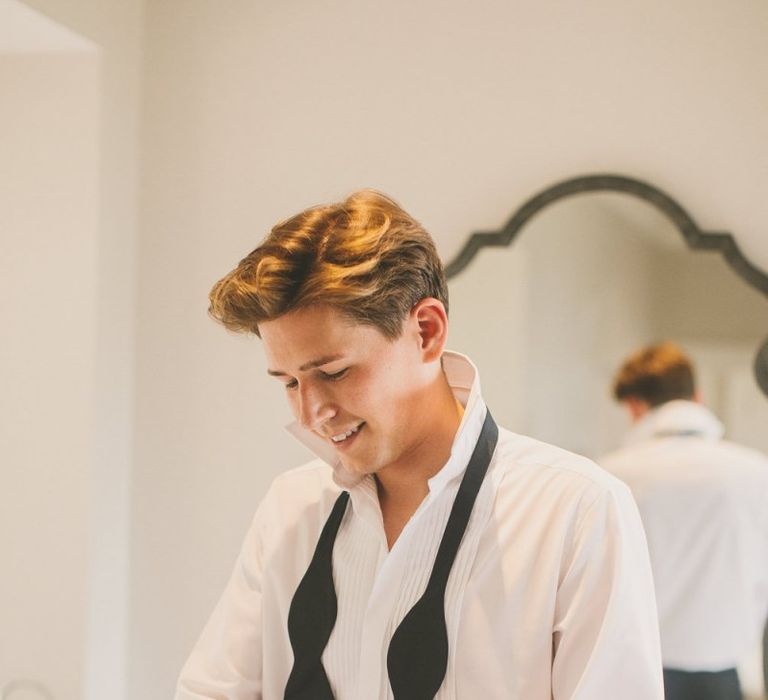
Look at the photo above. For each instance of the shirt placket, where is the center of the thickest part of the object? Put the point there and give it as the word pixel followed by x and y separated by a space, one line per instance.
pixel 387 589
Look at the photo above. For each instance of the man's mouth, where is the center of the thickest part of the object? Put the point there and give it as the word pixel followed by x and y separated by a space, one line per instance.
pixel 342 437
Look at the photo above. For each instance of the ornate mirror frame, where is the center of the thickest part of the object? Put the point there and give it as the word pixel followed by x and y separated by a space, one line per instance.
pixel 694 237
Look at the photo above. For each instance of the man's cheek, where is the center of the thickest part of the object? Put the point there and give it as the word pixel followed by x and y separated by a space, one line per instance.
pixel 293 405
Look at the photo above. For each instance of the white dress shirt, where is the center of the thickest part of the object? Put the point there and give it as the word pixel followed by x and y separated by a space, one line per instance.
pixel 704 505
pixel 550 595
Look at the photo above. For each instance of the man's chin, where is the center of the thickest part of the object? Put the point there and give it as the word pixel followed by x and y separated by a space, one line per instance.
pixel 354 467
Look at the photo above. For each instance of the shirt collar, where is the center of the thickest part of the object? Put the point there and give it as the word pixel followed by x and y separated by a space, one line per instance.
pixel 464 381
pixel 676 417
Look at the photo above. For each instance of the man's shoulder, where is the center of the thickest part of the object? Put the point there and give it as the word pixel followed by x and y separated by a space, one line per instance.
pixel 551 490
pixel 525 458
pixel 745 454
pixel 313 473
pixel 662 454
pixel 308 487
pixel 626 457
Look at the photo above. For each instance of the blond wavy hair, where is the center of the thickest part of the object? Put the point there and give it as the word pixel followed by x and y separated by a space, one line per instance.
pixel 364 256
pixel 656 374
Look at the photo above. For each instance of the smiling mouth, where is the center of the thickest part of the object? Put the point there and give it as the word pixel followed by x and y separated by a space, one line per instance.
pixel 342 437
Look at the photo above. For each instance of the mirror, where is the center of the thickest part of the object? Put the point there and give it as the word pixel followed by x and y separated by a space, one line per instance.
pixel 589 279
pixel 592 274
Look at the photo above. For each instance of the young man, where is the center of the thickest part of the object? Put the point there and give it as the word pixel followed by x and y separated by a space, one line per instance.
pixel 703 503
pixel 426 553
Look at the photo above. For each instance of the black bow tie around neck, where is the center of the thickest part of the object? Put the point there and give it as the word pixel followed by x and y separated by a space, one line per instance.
pixel 418 651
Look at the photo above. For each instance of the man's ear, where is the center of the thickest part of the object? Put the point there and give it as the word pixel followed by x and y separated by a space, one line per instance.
pixel 431 320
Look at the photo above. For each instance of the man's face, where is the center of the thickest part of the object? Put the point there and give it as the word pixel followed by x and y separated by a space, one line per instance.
pixel 350 384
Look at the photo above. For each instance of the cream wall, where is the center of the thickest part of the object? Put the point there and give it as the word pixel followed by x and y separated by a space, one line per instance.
pixel 113 27
pixel 254 110
pixel 48 224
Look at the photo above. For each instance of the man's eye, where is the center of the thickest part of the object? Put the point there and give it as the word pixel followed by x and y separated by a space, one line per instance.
pixel 335 375
pixel 292 384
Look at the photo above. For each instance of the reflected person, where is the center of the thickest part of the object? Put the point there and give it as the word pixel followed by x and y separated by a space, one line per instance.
pixel 426 552
pixel 703 504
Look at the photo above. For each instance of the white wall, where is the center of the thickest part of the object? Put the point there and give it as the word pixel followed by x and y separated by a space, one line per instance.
pixel 255 110
pixel 113 29
pixel 490 314
pixel 48 223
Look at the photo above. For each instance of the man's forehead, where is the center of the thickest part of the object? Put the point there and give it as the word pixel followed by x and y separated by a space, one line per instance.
pixel 307 338
pixel 308 319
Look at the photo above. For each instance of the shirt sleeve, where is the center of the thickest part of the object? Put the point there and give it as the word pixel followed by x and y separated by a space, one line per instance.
pixel 226 662
pixel 605 637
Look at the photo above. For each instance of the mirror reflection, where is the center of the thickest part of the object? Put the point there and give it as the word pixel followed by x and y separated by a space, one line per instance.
pixel 588 281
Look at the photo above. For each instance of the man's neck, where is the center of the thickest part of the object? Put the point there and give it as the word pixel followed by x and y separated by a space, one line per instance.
pixel 403 486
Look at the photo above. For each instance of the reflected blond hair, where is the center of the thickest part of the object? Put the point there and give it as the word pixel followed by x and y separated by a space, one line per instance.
pixel 656 374
pixel 364 256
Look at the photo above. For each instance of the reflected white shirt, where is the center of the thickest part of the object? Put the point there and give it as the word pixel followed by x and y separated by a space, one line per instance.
pixel 550 595
pixel 703 501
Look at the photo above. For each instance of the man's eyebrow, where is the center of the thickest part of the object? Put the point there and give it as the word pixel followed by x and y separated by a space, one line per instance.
pixel 309 365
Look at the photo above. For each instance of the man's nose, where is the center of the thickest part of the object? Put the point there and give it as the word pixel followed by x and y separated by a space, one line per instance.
pixel 315 407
